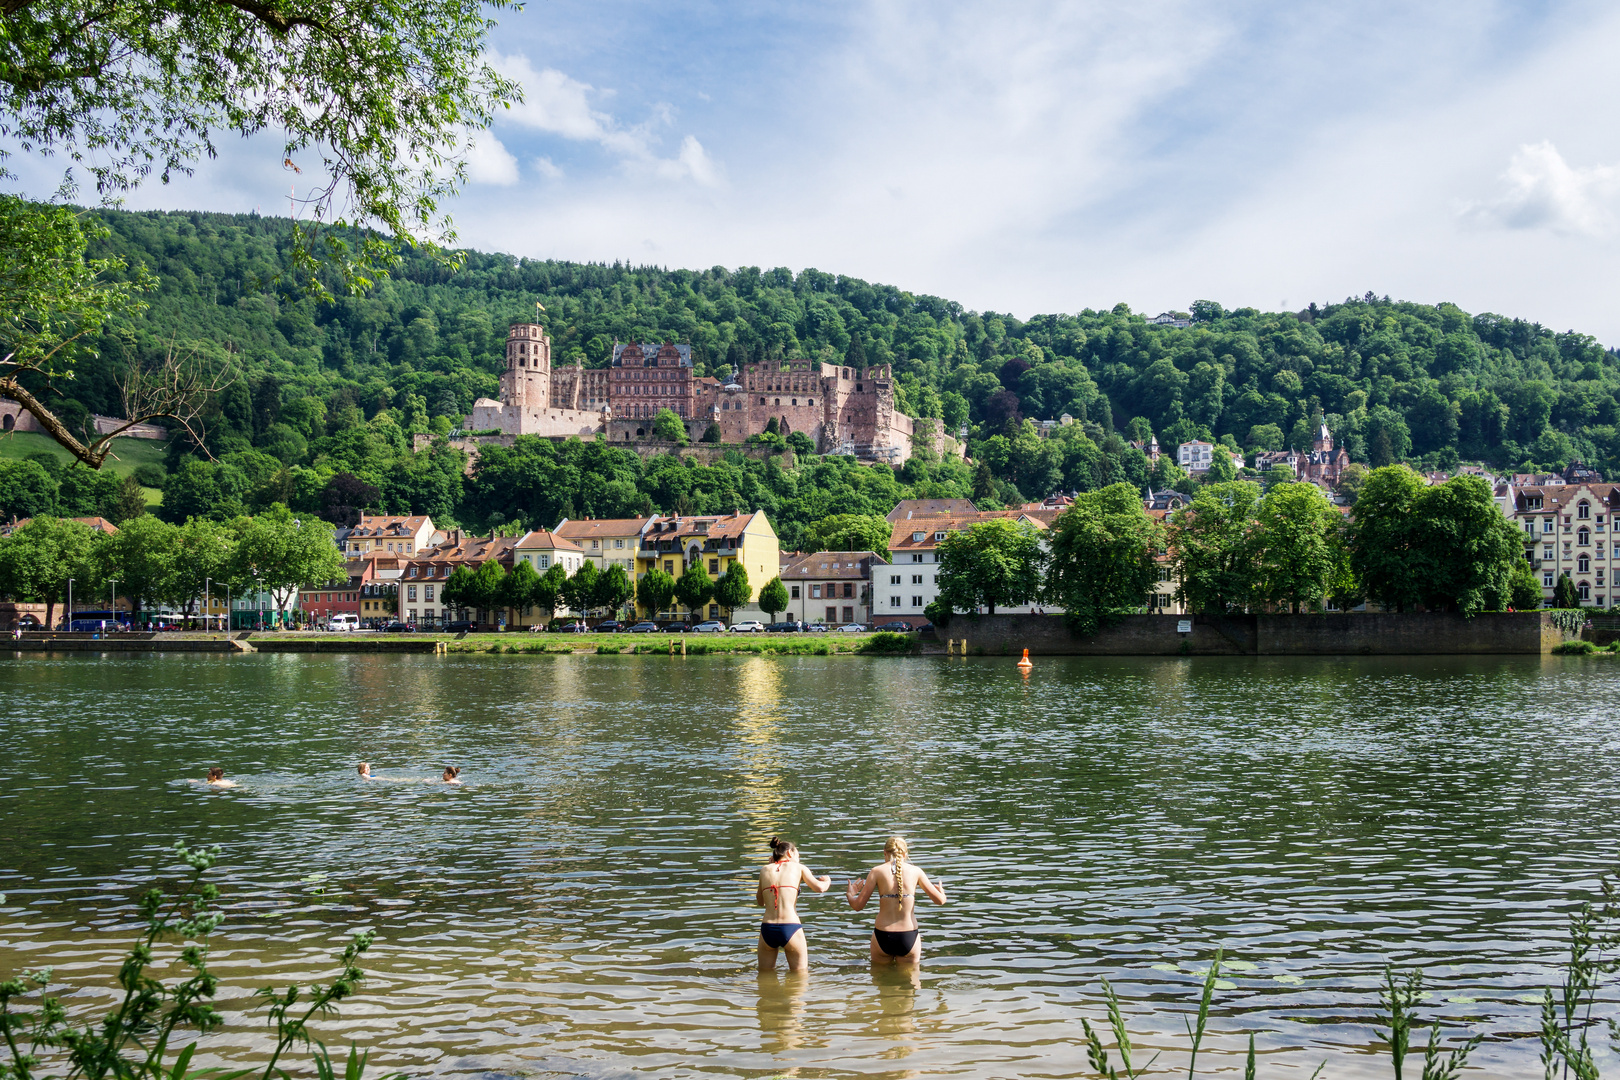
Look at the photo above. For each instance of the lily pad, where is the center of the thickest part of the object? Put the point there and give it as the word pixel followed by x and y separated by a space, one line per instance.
pixel 1534 999
pixel 313 878
pixel 1225 984
pixel 1166 967
pixel 1239 965
pixel 1288 980
pixel 1462 999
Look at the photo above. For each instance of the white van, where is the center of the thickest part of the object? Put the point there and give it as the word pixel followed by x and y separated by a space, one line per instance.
pixel 343 623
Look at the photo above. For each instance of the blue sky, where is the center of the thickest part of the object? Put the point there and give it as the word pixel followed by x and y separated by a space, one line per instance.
pixel 1051 156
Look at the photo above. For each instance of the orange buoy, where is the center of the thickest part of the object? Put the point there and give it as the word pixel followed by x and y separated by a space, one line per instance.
pixel 1024 664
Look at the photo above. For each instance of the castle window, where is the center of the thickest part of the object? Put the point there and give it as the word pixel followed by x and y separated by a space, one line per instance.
pixel 762 401
pixel 859 388
pixel 795 401
pixel 777 400
pixel 810 401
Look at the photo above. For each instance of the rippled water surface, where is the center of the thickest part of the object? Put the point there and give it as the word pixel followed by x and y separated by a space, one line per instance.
pixel 581 905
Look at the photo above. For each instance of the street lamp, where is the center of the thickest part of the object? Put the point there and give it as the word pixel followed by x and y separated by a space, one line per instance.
pixel 229 618
pixel 69 626
pixel 113 585
pixel 207 581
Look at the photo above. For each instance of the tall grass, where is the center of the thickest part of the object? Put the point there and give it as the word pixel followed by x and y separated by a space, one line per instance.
pixel 134 1041
pixel 1566 1014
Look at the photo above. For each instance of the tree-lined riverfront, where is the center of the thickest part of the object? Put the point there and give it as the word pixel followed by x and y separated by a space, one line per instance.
pixel 581 905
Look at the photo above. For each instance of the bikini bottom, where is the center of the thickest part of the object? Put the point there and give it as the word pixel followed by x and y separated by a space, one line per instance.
pixel 896 942
pixel 778 934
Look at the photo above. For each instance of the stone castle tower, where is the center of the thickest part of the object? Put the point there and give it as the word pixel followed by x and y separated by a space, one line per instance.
pixel 526 382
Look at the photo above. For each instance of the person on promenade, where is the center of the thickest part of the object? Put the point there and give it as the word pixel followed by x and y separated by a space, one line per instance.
pixel 216 778
pixel 896 938
pixel 778 892
pixel 450 774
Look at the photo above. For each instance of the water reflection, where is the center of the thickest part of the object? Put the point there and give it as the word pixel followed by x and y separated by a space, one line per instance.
pixel 781 1009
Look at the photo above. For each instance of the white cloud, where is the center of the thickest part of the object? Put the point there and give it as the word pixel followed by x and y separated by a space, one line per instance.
pixel 1545 192
pixel 558 104
pixel 548 168
pixel 488 162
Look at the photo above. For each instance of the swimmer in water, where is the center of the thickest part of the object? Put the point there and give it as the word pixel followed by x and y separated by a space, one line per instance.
pixel 216 778
pixel 365 771
pixel 896 938
pixel 778 890
pixel 450 774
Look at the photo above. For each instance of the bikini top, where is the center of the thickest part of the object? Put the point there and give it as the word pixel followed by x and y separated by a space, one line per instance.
pixel 777 889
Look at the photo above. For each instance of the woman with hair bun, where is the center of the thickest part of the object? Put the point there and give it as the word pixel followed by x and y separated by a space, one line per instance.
pixel 778 890
pixel 896 938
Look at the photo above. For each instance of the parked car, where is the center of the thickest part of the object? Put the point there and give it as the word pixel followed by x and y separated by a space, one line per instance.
pixel 813 628
pixel 750 626
pixel 850 628
pixel 788 627
pixel 343 624
pixel 643 628
pixel 399 628
pixel 894 627
pixel 461 626
pixel 676 628
pixel 709 626
pixel 609 626
pixel 580 627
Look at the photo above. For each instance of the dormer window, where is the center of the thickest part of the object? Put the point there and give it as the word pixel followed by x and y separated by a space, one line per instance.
pixel 918 537
pixel 939 536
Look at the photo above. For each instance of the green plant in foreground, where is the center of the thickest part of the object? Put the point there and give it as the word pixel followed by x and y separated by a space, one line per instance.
pixel 133 1041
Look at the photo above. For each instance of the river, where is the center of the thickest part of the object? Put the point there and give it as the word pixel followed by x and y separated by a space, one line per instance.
pixel 581 904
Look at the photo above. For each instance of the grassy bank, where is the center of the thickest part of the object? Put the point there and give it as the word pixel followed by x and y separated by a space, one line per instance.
pixel 127 454
pixel 880 644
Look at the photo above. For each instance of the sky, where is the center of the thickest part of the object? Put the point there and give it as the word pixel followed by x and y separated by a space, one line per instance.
pixel 1051 156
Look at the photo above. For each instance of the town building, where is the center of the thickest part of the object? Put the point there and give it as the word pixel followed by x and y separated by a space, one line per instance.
pixel 607 542
pixel 906 509
pixel 390 535
pixel 97 524
pixel 1196 456
pixel 841 409
pixel 345 596
pixel 421 587
pixel 1566 531
pixel 674 543
pixel 832 587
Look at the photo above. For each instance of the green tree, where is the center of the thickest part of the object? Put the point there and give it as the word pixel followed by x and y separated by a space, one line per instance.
pixel 848 532
pixel 654 591
pixel 1293 545
pixel 613 590
pixel 26 490
pixel 1102 563
pixel 281 553
pixel 800 443
pixel 204 558
pixel 130 502
pixel 996 563
pixel 579 591
pixel 456 592
pixel 711 434
pixel 694 588
pixel 141 558
pixel 550 589
pixel 773 598
pixel 732 590
pixel 1351 480
pixel 37 560
pixel 1384 539
pixel 518 588
pixel 487 590
pixel 1467 549
pixel 1221 470
pixel 669 427
pixel 1565 594
pixel 1211 549
pixel 1525 592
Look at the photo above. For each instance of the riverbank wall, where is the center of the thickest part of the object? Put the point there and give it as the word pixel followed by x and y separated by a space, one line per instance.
pixel 1338 634
pixel 214 643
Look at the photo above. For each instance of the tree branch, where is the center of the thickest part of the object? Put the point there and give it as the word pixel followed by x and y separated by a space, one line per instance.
pixel 92 455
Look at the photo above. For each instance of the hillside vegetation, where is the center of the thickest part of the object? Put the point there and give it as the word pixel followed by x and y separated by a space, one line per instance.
pixel 337 388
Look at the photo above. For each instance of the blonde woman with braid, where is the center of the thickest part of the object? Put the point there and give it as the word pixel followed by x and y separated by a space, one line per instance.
pixel 896 939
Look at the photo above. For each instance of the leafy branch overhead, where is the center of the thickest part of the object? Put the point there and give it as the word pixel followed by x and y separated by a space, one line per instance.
pixel 374 102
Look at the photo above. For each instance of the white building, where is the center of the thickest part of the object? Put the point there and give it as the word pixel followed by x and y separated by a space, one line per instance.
pixel 1196 456
pixel 902 589
pixel 1566 531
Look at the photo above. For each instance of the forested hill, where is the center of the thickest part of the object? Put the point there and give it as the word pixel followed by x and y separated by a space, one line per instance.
pixel 1391 379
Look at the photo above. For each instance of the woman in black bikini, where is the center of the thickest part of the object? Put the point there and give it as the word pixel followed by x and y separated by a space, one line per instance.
pixel 778 890
pixel 896 939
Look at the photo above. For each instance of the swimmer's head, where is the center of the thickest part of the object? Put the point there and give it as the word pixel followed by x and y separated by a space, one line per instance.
pixel 895 848
pixel 781 849
pixel 451 772
pixel 215 773
pixel 365 768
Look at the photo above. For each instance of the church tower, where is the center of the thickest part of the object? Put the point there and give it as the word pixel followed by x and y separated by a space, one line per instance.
pixel 526 382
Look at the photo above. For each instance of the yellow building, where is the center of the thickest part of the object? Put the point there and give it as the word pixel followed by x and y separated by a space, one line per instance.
pixel 674 543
